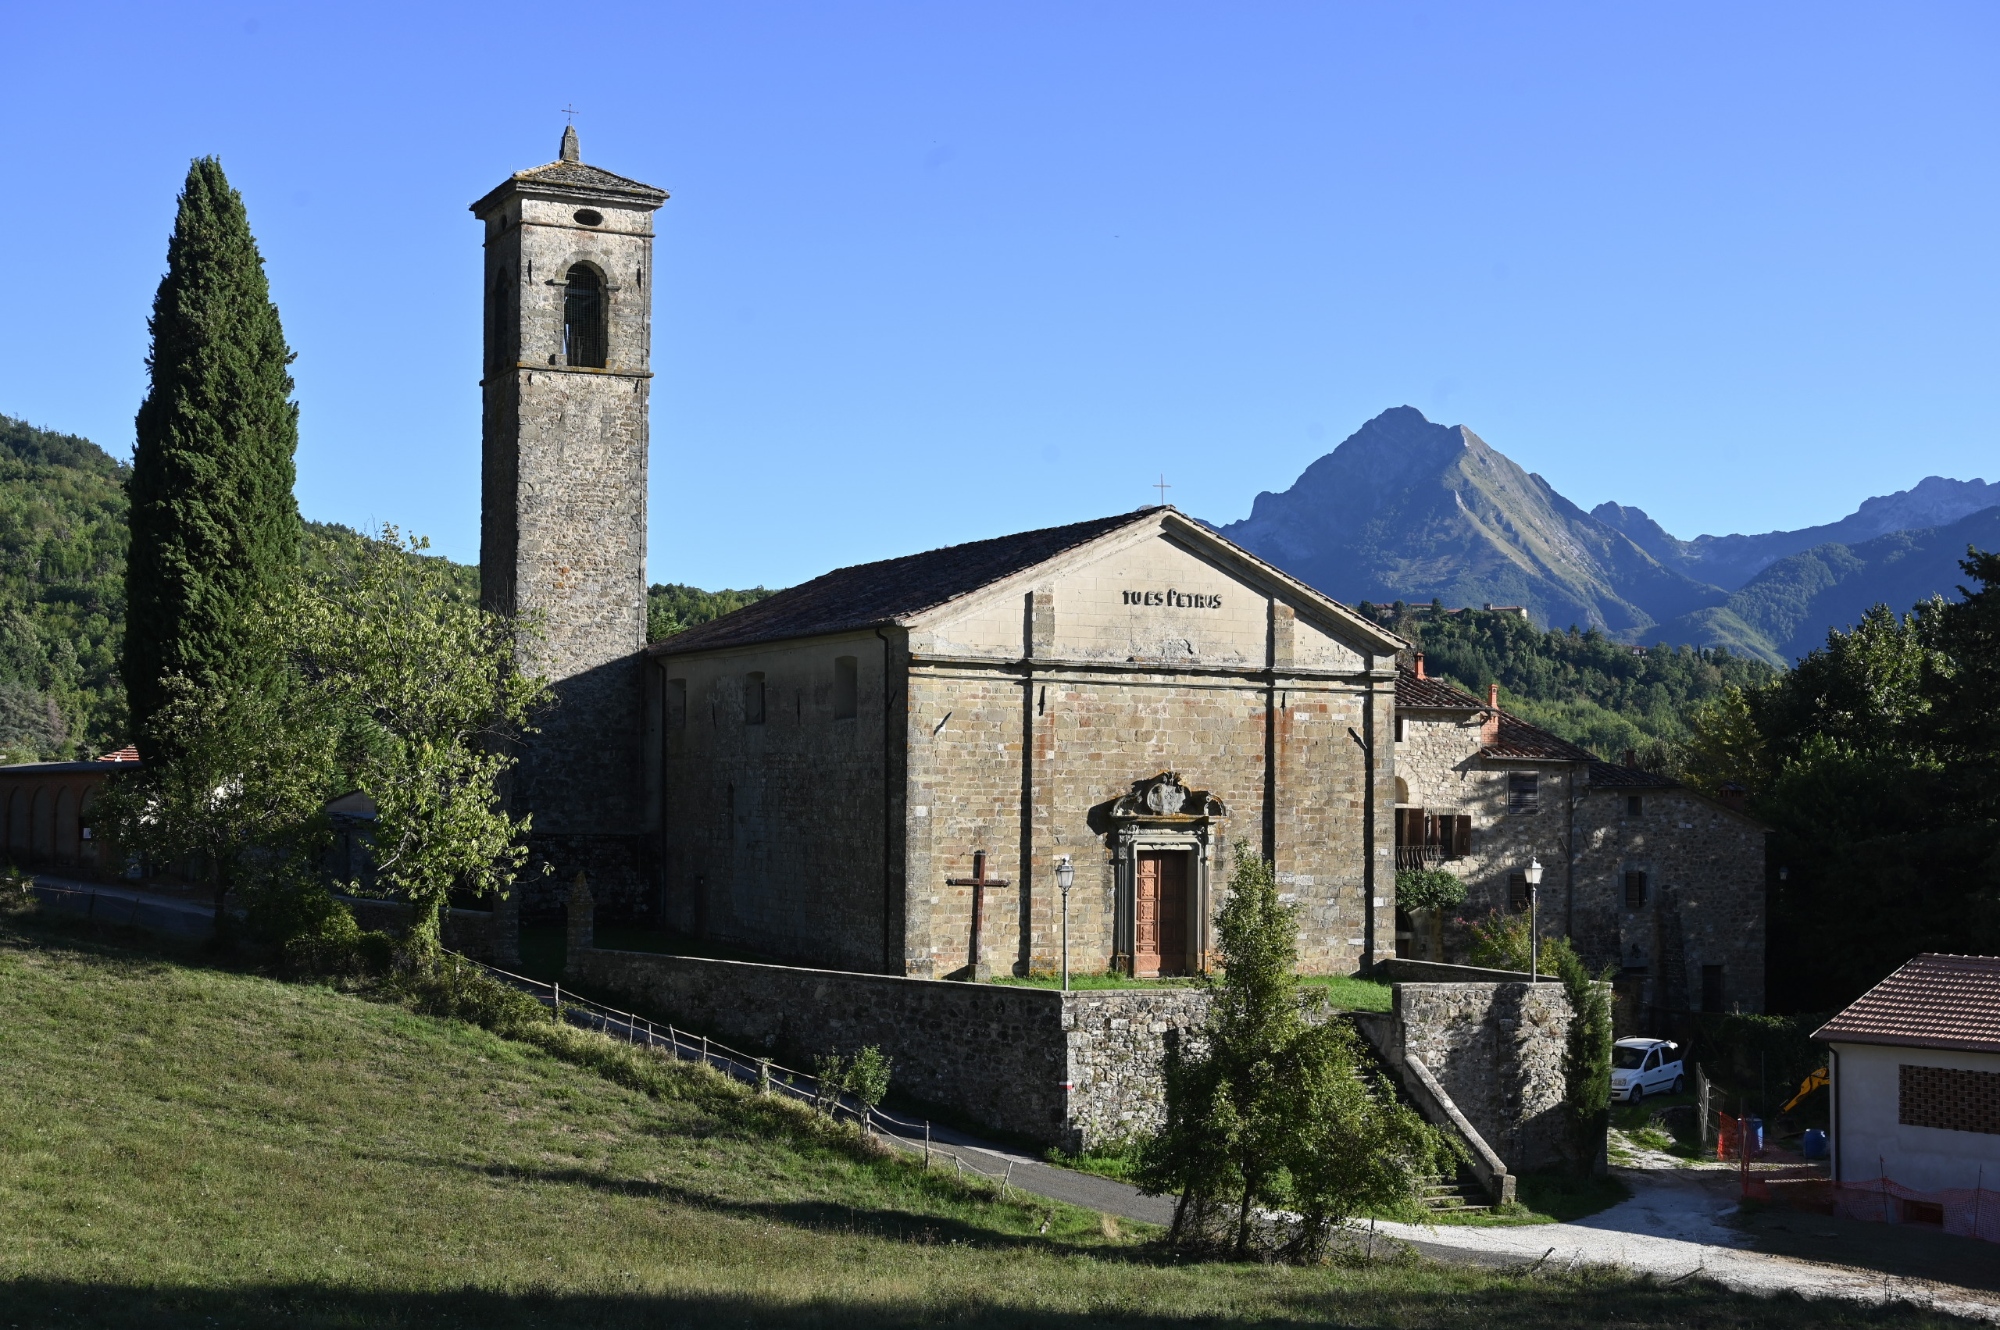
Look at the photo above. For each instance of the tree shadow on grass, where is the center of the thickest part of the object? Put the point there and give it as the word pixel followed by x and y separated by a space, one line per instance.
pixel 1329 1301
pixel 885 1222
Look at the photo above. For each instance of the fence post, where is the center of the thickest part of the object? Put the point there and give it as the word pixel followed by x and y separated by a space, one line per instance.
pixel 1007 1178
pixel 1701 1103
pixel 558 992
pixel 927 1145
pixel 704 1050
pixel 763 1075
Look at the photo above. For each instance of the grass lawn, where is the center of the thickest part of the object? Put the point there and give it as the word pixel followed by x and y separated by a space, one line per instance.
pixel 189 1146
pixel 1345 991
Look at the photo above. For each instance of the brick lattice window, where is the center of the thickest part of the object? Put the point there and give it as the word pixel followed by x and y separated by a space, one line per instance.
pixel 1948 1098
pixel 1635 890
pixel 1524 791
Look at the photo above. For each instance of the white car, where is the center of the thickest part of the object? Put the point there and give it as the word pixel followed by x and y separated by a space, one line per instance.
pixel 1640 1067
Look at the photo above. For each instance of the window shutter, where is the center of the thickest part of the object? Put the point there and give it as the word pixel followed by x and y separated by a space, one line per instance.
pixel 1517 890
pixel 1524 791
pixel 1635 889
pixel 1461 835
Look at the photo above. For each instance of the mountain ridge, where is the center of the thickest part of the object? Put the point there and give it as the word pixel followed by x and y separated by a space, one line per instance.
pixel 1407 509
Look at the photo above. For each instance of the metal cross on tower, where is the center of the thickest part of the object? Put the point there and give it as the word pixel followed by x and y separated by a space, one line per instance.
pixel 569 115
pixel 1162 486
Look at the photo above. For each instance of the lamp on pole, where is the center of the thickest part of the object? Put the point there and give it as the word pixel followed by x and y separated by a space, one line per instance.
pixel 1065 879
pixel 1534 876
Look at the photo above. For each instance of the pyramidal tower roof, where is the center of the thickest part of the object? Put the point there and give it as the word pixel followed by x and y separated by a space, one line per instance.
pixel 568 176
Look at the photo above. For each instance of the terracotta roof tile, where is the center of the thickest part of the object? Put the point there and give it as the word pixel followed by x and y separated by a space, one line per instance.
pixel 1518 739
pixel 1417 694
pixel 871 595
pixel 1935 1001
pixel 1603 774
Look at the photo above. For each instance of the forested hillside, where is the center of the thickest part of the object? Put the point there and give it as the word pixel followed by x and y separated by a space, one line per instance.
pixel 62 594
pixel 672 607
pixel 1583 686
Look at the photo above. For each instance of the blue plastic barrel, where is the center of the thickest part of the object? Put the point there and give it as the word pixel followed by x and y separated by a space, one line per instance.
pixel 1757 1135
pixel 1814 1145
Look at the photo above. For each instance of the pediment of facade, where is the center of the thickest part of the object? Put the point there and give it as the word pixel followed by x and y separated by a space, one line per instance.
pixel 1166 592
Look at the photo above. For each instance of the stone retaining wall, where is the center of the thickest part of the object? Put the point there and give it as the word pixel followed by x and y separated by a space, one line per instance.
pixel 999 1054
pixel 1497 1050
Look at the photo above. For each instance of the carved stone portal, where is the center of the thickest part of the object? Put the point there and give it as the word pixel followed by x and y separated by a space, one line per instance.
pixel 1163 836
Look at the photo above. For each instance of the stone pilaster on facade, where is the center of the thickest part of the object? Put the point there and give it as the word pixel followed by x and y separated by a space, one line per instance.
pixel 568 285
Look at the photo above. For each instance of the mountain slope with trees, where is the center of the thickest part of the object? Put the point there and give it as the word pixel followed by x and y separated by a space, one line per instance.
pixel 62 594
pixel 1604 695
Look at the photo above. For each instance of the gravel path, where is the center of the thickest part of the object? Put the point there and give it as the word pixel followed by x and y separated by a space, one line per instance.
pixel 1676 1225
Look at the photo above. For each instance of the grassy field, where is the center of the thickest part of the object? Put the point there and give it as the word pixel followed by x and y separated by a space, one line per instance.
pixel 183 1145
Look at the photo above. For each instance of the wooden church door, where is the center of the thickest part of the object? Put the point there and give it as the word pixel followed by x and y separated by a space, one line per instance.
pixel 1159 916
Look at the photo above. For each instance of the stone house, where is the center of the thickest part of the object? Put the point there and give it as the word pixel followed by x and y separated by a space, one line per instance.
pixel 1639 871
pixel 883 768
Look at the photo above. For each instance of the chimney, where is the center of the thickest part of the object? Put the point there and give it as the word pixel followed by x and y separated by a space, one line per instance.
pixel 1420 665
pixel 1631 757
pixel 1489 728
pixel 1493 696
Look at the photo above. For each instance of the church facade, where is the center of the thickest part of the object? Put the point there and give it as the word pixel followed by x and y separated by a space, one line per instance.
pixel 886 767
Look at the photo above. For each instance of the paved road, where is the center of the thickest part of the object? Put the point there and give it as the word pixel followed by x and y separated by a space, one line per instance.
pixel 129 906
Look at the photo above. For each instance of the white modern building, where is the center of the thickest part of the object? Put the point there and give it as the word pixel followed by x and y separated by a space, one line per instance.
pixel 1916 1096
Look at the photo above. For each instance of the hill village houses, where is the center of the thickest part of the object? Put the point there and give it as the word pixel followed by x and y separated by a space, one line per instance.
pixel 890 768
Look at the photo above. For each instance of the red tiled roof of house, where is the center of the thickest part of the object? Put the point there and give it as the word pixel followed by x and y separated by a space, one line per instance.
pixel 1934 1001
pixel 1518 739
pixel 1607 774
pixel 129 753
pixel 1418 694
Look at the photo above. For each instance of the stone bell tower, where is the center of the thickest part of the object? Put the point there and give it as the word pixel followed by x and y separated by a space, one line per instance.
pixel 569 298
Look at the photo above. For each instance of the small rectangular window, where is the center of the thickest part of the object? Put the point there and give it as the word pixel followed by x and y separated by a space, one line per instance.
pixel 1517 890
pixel 677 704
pixel 1635 890
pixel 1402 729
pixel 1635 805
pixel 846 687
pixel 1711 988
pixel 753 699
pixel 1524 792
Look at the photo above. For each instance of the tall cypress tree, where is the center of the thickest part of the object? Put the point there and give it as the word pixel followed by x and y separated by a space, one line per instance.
pixel 214 523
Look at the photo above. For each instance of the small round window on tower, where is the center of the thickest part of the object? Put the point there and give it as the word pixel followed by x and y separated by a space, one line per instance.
pixel 590 217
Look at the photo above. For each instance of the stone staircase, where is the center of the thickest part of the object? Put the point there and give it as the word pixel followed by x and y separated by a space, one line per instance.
pixel 1462 1194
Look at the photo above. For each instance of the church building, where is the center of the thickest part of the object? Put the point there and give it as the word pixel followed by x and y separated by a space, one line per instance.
pixel 890 767
pixel 944 764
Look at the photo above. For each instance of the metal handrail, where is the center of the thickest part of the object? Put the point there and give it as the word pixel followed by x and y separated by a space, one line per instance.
pixel 766 1074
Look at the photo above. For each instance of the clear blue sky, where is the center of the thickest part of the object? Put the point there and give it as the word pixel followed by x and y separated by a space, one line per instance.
pixel 934 271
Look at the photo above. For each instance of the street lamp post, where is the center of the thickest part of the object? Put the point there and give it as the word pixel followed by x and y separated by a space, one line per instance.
pixel 1065 878
pixel 1534 876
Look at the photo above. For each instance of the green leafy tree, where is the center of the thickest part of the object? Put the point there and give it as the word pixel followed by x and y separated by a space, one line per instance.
pixel 1725 745
pixel 1265 1106
pixel 240 797
pixel 425 683
pixel 214 528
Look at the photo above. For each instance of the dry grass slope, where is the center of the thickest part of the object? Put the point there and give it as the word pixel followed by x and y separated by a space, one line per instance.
pixel 188 1146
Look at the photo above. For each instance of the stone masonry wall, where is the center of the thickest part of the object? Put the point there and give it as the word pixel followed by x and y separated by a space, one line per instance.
pixel 997 1053
pixel 1704 902
pixel 1497 1050
pixel 1024 765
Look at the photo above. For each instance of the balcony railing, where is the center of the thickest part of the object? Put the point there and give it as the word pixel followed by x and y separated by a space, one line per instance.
pixel 1418 856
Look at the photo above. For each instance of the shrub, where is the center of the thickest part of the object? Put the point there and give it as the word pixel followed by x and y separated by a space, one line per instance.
pixel 1428 889
pixel 1586 1060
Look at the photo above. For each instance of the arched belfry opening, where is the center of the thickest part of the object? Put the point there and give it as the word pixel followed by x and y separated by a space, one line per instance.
pixel 585 342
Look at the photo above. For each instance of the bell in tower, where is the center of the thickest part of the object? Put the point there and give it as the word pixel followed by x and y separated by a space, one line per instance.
pixel 569 300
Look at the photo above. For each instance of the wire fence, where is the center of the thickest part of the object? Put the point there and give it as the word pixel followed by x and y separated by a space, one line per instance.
pixel 667 1040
